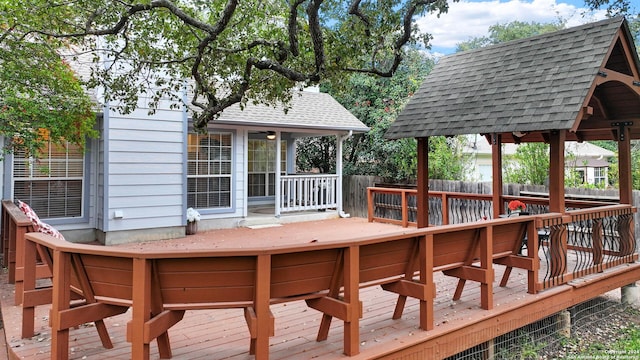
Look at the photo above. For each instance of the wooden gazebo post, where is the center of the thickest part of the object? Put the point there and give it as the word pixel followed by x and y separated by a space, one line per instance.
pixel 423 183
pixel 556 171
pixel 558 246
pixel 496 159
pixel 630 292
pixel 624 165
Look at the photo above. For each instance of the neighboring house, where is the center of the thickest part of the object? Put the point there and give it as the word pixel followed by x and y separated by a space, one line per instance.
pixel 137 180
pixel 591 162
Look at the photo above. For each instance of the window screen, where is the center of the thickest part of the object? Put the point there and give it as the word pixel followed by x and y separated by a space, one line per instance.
pixel 52 185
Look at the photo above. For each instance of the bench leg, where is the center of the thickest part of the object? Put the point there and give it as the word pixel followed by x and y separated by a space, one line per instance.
pixel 458 294
pixel 505 276
pixel 104 334
pixel 397 313
pixel 164 344
pixel 334 291
pixel 325 325
pixel 416 254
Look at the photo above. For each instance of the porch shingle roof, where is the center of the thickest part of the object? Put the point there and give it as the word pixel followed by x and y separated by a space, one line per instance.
pixel 533 84
pixel 309 110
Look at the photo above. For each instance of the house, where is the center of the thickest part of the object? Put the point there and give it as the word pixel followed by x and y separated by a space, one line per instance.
pixel 589 161
pixel 137 180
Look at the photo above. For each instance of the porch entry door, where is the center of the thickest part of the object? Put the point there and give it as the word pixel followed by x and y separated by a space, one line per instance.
pixel 262 166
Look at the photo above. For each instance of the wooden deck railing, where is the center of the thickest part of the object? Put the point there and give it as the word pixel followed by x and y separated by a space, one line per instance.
pixel 15 224
pixel 587 241
pixel 160 285
pixel 593 237
pixel 398 206
pixel 308 192
pixel 90 283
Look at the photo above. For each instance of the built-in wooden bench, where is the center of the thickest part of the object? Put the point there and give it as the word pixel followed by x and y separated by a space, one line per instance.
pixel 160 285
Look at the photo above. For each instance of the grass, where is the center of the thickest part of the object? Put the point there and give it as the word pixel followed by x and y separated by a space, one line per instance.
pixel 626 347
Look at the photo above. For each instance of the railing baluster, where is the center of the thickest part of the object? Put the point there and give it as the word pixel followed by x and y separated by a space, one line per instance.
pixel 309 192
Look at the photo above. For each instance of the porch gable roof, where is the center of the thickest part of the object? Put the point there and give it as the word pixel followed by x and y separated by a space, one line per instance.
pixel 309 110
pixel 536 84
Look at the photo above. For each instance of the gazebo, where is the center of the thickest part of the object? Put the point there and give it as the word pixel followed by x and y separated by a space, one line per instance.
pixel 582 83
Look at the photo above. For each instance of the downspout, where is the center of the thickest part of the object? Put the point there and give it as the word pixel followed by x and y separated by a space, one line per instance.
pixel 340 139
pixel 278 186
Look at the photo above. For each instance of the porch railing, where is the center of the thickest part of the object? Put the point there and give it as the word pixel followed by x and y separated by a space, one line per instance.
pixel 308 192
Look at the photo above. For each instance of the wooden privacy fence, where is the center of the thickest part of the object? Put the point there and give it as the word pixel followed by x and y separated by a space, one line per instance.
pixel 160 285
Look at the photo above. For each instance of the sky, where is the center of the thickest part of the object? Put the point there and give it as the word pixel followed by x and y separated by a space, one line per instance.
pixel 471 18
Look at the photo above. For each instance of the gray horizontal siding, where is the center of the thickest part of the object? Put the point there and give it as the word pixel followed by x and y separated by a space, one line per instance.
pixel 145 170
pixel 130 202
pixel 142 190
pixel 132 180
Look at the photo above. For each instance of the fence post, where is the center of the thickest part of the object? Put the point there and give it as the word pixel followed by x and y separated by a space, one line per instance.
pixel 405 209
pixel 370 205
pixel 445 209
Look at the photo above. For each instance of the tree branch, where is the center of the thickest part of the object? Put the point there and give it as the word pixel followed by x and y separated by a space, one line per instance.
pixel 293 28
pixel 354 9
pixel 402 40
pixel 315 30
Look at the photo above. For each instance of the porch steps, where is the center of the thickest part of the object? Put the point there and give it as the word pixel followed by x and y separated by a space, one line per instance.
pixel 262 220
pixel 263 226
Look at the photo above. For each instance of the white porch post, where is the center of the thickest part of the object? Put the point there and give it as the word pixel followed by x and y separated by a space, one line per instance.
pixel 339 140
pixel 245 193
pixel 278 186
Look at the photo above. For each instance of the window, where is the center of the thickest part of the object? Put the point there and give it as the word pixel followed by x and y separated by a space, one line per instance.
pixel 580 176
pixel 53 184
pixel 262 166
pixel 600 176
pixel 209 170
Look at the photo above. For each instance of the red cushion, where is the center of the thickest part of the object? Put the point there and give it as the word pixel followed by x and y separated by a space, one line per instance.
pixel 38 225
pixel 48 229
pixel 27 210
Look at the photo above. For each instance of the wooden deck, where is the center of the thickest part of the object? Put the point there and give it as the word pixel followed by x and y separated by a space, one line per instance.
pixel 223 334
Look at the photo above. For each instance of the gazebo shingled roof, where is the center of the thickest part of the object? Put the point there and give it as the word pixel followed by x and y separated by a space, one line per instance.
pixel 581 83
pixel 554 81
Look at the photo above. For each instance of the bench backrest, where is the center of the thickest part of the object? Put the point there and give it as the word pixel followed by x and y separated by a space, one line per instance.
pixel 388 260
pixel 305 273
pixel 453 244
pixel 205 280
pixel 110 277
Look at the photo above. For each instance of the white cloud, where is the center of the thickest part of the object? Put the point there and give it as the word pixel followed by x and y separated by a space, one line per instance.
pixel 468 19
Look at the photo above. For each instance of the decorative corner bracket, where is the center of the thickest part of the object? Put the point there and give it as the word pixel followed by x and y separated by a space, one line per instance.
pixel 621 125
